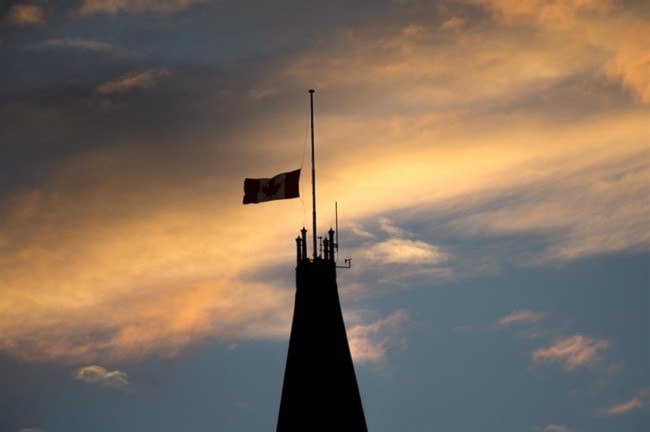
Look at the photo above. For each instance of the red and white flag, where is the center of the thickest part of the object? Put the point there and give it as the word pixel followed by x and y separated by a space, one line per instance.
pixel 282 186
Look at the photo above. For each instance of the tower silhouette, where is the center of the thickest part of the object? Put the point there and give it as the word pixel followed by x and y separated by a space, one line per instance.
pixel 320 390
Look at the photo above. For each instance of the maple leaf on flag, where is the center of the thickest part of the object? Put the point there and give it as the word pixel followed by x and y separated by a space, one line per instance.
pixel 271 188
pixel 282 186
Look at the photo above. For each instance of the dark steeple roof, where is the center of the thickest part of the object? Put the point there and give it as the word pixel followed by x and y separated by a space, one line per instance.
pixel 320 390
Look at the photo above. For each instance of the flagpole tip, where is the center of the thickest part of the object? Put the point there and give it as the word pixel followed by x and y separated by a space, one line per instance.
pixel 311 90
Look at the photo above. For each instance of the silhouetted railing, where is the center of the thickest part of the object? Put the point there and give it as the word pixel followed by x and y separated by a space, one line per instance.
pixel 328 247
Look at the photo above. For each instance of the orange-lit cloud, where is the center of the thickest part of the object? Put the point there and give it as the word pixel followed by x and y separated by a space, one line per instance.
pixel 625 407
pixel 631 64
pixel 638 402
pixel 554 12
pixel 90 46
pixel 453 23
pixel 114 7
pixel 626 39
pixel 369 343
pixel 572 352
pixel 134 80
pixel 83 281
pixel 521 317
pixel 25 15
pixel 482 131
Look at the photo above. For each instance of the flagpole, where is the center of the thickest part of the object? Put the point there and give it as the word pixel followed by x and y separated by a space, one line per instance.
pixel 313 172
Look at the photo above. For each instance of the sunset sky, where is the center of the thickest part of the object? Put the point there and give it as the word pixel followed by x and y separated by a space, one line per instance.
pixel 491 164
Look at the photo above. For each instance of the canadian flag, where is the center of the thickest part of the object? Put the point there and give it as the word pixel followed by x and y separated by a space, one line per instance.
pixel 282 186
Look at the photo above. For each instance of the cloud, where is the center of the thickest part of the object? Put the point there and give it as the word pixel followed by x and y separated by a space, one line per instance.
pixel 403 251
pixel 639 401
pixel 625 407
pixel 395 261
pixel 98 375
pixel 462 329
pixel 118 271
pixel 124 235
pixel 555 428
pixel 572 352
pixel 370 343
pixel 524 316
pixel 25 15
pixel 550 209
pixel 31 430
pixel 114 7
pixel 416 60
pixel 88 45
pixel 531 177
pixel 453 23
pixel 164 322
pixel 135 80
pixel 387 226
pixel 400 250
pixel 81 44
pixel 631 64
pixel 563 12
pixel 262 91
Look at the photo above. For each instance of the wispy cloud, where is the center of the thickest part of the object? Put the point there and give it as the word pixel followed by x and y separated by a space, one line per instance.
pixel 114 7
pixel 81 44
pixel 561 13
pixel 135 80
pixel 126 294
pixel 524 316
pixel 467 136
pixel 101 376
pixel 572 352
pixel 370 343
pixel 564 222
pixel 24 15
pixel 555 428
pixel 393 230
pixel 625 407
pixel 462 329
pixel 262 91
pixel 453 23
pixel 639 401
pixel 631 64
pixel 404 251
pixel 394 256
pixel 88 45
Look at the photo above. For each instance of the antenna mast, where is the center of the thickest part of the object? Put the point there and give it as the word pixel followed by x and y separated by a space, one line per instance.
pixel 313 172
pixel 336 216
pixel 335 249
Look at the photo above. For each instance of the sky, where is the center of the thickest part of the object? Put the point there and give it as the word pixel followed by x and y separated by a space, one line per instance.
pixel 491 164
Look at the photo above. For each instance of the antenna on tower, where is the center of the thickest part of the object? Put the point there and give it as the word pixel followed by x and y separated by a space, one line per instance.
pixel 335 249
pixel 336 217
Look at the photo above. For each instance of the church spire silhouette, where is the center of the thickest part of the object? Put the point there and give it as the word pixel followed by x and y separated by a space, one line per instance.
pixel 320 390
